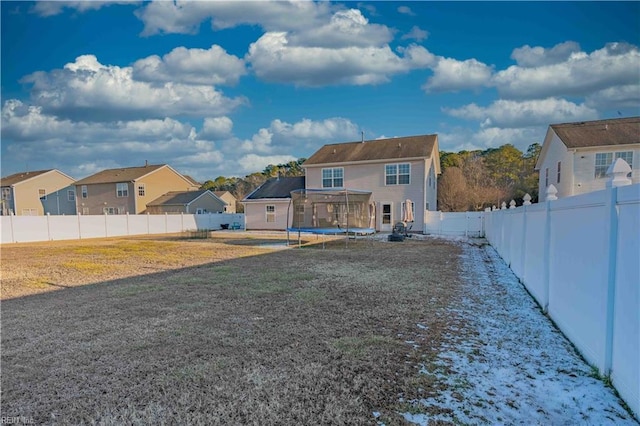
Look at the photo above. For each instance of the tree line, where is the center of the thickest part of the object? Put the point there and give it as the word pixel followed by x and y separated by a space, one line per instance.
pixel 470 180
pixel 474 180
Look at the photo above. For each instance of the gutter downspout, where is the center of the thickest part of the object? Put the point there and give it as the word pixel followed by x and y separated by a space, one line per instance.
pixel 135 197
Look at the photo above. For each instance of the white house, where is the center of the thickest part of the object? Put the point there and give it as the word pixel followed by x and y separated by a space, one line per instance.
pixel 393 170
pixel 575 156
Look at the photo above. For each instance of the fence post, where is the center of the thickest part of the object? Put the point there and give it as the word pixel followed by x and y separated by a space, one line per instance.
pixel 106 232
pixel 79 226
pixel 523 253
pixel 127 223
pixel 48 227
pixel 13 235
pixel 612 212
pixel 549 196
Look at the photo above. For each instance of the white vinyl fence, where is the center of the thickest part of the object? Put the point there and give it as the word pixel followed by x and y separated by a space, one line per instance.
pixel 469 224
pixel 21 229
pixel 580 259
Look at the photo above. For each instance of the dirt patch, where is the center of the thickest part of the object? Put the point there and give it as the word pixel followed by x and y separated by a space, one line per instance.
pixel 215 332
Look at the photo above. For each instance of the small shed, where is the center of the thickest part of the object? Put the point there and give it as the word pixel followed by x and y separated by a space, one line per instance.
pixel 188 202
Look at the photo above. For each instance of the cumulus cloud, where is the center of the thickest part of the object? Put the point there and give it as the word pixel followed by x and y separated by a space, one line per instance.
pixel 86 89
pixel 406 10
pixel 528 57
pixel 515 114
pixel 416 34
pixel 580 74
pixel 252 162
pixel 213 66
pixel 273 59
pixel 185 17
pixel 458 139
pixel 453 75
pixel 51 8
pixel 620 97
pixel 345 28
pixel 216 128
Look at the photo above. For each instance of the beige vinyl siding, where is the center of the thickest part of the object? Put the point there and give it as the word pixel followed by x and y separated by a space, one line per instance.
pixel 256 218
pixel 158 183
pixel 27 196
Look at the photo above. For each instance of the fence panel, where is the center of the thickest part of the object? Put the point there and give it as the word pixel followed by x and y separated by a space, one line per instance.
pixel 533 273
pixel 578 272
pixel 63 228
pixel 625 369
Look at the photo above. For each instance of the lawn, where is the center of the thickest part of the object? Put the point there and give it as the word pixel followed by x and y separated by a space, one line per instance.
pixel 224 330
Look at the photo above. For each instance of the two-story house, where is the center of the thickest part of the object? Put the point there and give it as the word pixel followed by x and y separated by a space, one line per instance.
pixel 575 156
pixel 29 193
pixel 127 190
pixel 393 170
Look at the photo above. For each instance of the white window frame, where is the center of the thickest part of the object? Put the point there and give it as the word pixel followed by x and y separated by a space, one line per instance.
pixel 84 191
pixel 6 194
pixel 85 210
pixel 42 193
pixel 333 177
pixel 270 213
pixel 122 191
pixel 142 190
pixel 29 212
pixel 71 195
pixel 393 174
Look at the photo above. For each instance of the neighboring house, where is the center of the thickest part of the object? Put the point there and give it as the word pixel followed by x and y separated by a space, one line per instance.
pixel 228 198
pixel 267 208
pixel 194 183
pixel 27 193
pixel 61 202
pixel 575 156
pixel 127 190
pixel 188 202
pixel 393 170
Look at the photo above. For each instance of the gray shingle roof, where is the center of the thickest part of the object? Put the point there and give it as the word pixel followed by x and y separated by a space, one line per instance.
pixel 617 131
pixel 127 174
pixel 19 177
pixel 277 188
pixel 177 198
pixel 380 149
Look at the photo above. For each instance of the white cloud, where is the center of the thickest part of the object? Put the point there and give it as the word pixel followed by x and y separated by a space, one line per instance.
pixel 86 89
pixel 216 128
pixel 620 97
pixel 273 59
pixel 416 34
pixel 453 75
pixel 345 28
pixel 328 130
pixel 213 66
pixel 515 114
pixel 580 74
pixel 459 139
pixel 185 17
pixel 527 56
pixel 254 163
pixel 406 10
pixel 51 8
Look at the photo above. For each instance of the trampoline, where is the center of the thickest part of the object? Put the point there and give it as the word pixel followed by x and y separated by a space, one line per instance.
pixel 331 212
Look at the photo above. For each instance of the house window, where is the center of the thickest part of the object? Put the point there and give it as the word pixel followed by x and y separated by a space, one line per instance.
pixel 141 190
pixel 397 174
pixel 603 161
pixel 546 177
pixel 71 195
pixel 6 193
pixel 271 213
pixel 29 212
pixel 85 192
pixel 113 210
pixel 299 212
pixel 85 210
pixel 333 178
pixel 42 193
pixel 559 169
pixel 122 190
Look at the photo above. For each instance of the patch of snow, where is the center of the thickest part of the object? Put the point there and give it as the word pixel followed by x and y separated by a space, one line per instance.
pixel 513 366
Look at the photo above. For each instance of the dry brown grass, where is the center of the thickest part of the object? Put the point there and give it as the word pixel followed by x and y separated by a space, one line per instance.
pixel 222 331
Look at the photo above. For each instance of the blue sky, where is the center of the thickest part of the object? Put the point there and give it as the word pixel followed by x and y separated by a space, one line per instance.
pixel 216 88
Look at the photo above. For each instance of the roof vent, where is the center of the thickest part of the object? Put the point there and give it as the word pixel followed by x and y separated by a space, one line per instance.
pixel 363 136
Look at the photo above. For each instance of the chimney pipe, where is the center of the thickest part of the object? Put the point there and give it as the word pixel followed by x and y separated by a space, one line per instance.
pixel 363 136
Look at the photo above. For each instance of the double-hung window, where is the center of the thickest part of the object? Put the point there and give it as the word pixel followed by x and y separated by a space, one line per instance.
pixel 71 195
pixel 85 191
pixel 333 178
pixel 397 174
pixel 141 190
pixel 42 193
pixel 122 190
pixel 271 213
pixel 604 160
